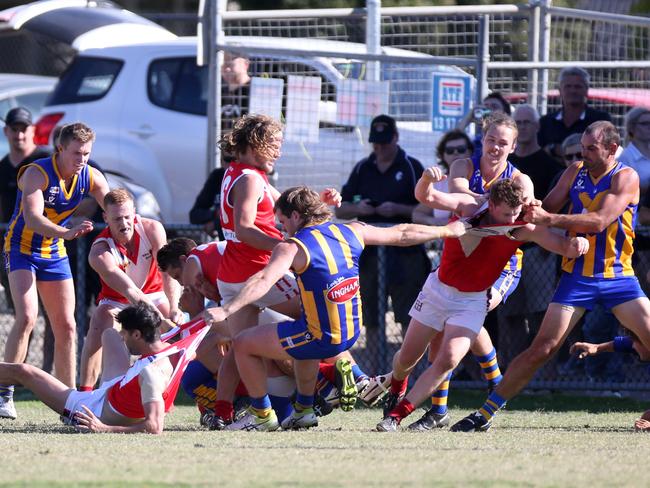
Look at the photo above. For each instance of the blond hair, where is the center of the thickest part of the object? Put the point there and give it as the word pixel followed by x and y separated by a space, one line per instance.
pixel 118 196
pixel 75 132
pixel 306 202
pixel 254 131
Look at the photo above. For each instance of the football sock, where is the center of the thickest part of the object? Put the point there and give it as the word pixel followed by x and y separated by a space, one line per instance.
pixel 402 410
pixel 224 409
pixel 439 397
pixel 491 406
pixel 303 402
pixel 398 387
pixel 327 371
pixel 358 373
pixel 490 368
pixel 261 406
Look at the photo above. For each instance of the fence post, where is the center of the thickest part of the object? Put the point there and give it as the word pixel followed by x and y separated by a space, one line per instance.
pixel 382 286
pixel 545 38
pixel 81 302
pixel 533 53
pixel 373 37
pixel 483 58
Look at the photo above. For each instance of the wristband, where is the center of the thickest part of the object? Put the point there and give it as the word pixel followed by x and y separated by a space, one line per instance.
pixel 623 344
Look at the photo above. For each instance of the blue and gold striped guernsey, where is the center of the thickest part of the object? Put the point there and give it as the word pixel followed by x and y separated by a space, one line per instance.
pixel 478 185
pixel 610 251
pixel 333 312
pixel 60 204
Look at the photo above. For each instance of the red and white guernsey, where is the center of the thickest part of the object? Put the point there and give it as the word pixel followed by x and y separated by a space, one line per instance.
pixel 140 266
pixel 241 261
pixel 208 257
pixel 473 263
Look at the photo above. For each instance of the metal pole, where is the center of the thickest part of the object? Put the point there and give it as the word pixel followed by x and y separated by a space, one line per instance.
pixel 382 287
pixel 533 52
pixel 483 58
pixel 81 312
pixel 545 40
pixel 373 38
pixel 220 37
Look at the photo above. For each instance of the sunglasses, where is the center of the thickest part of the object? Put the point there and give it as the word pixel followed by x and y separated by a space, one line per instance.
pixel 573 156
pixel 455 150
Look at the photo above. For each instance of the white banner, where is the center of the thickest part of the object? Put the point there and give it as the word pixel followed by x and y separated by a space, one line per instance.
pixel 357 102
pixel 303 97
pixel 266 97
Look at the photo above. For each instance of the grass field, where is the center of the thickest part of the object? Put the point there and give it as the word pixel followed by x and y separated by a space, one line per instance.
pixel 539 441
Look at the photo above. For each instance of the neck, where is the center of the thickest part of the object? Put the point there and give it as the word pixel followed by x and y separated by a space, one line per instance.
pixel 524 149
pixel 572 111
pixel 600 170
pixel 236 85
pixel 488 171
pixel 152 348
pixel 387 158
pixel 17 156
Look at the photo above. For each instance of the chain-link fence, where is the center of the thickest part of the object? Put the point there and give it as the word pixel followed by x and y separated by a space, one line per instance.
pixel 511 327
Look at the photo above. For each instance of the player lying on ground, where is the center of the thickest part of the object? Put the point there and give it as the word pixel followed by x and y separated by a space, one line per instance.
pixel 325 258
pixel 620 344
pixel 453 301
pixel 131 398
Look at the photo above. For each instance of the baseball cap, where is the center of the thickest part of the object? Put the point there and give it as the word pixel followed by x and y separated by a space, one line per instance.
pixel 382 129
pixel 18 115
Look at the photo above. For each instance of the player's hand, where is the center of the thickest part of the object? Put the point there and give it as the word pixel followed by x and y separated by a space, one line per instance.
pixel 214 315
pixel 457 228
pixel 580 245
pixel 78 230
pixel 387 209
pixel 535 214
pixel 87 421
pixel 207 289
pixel 364 208
pixel 641 425
pixel 434 174
pixel 584 349
pixel 331 196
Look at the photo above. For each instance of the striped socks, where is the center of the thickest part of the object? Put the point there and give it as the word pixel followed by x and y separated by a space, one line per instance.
pixel 490 368
pixel 439 397
pixel 491 406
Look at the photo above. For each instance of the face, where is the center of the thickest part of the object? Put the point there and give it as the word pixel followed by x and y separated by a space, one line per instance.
pixel 74 156
pixel 594 153
pixel 131 339
pixel 572 154
pixel 385 151
pixel 573 91
pixel 19 136
pixel 176 273
pixel 642 128
pixel 498 143
pixel 494 104
pixel 504 214
pixel 290 224
pixel 120 219
pixel 265 159
pixel 234 70
pixel 455 149
pixel 527 126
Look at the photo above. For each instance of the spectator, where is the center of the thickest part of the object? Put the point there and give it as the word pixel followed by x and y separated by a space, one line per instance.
pixel 453 145
pixel 235 92
pixel 574 116
pixel 380 189
pixel 529 157
pixel 637 152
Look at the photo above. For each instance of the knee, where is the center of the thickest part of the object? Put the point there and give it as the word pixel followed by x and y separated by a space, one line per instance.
pixel 541 351
pixel 24 323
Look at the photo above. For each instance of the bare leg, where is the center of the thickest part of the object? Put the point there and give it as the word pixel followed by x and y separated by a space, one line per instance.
pixel 46 387
pixel 22 284
pixel 306 372
pixel 250 347
pixel 91 355
pixel 290 308
pixel 557 323
pixel 116 357
pixel 58 300
pixel 418 336
pixel 455 344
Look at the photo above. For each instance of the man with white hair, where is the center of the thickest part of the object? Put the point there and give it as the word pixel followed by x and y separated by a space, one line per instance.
pixel 637 151
pixel 574 116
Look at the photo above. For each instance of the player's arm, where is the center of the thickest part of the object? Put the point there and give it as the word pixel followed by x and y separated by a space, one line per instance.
pixel 624 190
pixel 153 423
pixel 103 262
pixel 245 194
pixel 407 234
pixel 285 255
pixel 427 194
pixel 99 187
pixel 558 197
pixel 158 238
pixel 32 183
pixel 571 247
pixel 459 173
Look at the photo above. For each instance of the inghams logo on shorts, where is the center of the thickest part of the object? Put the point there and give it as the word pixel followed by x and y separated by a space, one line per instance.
pixel 344 290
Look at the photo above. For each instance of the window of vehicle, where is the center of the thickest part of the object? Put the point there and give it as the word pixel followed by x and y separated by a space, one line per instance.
pixel 178 84
pixel 33 101
pixel 86 79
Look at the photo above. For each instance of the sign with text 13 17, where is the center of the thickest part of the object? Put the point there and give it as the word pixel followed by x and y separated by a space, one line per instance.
pixel 452 95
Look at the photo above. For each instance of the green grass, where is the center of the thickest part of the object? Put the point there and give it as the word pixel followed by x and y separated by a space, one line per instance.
pixel 553 440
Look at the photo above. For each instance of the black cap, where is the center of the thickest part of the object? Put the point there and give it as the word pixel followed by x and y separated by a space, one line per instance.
pixel 18 115
pixel 382 129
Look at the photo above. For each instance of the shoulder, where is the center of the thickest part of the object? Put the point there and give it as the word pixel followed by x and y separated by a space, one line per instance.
pixel 593 114
pixel 152 227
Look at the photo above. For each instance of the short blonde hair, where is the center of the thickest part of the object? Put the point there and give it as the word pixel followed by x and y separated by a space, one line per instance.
pixel 118 196
pixel 75 132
